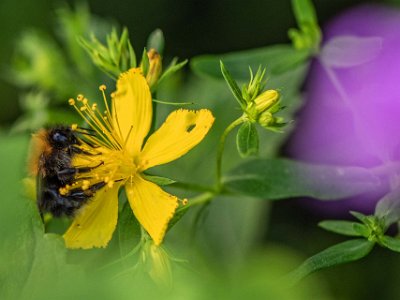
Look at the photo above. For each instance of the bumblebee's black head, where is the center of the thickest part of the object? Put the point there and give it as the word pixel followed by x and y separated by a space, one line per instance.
pixel 61 137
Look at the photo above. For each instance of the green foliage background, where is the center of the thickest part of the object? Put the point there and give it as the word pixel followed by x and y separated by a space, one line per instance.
pixel 241 246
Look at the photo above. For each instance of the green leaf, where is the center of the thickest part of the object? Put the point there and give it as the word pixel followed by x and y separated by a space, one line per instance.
pixel 232 85
pixel 172 103
pixel 304 12
pixel 338 254
pixel 390 243
pixel 345 228
pixel 158 179
pixel 132 55
pixel 172 69
pixel 282 178
pixel 360 216
pixel 277 58
pixel 247 140
pixel 156 41
pixel 40 259
pixel 128 230
pixel 145 63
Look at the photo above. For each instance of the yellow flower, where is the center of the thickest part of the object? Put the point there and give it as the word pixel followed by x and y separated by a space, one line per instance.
pixel 117 154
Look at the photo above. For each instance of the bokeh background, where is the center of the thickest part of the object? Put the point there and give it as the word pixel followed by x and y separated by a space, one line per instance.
pixel 198 27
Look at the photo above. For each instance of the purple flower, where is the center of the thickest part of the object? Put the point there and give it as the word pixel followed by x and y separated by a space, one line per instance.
pixel 352 111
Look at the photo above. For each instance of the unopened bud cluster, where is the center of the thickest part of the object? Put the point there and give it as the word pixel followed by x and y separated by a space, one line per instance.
pixel 261 105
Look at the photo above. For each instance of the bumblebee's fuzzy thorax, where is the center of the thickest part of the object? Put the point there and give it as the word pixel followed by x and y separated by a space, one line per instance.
pixel 52 153
pixel 39 147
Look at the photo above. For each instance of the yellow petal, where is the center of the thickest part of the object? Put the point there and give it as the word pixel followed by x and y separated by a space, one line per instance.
pixel 132 109
pixel 182 130
pixel 95 223
pixel 153 207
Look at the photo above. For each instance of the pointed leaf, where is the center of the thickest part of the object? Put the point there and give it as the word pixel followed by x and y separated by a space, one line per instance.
pixel 360 216
pixel 156 41
pixel 391 243
pixel 345 228
pixel 172 69
pixel 232 85
pixel 304 12
pixel 281 178
pixel 278 59
pixel 338 254
pixel 145 63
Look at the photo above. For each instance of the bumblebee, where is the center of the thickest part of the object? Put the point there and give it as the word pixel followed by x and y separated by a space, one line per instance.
pixel 51 162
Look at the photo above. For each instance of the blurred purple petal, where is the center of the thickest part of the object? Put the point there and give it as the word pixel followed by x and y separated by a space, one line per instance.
pixel 352 115
pixel 349 51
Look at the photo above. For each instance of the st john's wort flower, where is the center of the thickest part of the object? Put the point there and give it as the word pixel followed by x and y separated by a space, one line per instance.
pixel 120 155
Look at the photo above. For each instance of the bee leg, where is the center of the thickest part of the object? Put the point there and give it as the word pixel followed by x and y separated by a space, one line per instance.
pixel 95 187
pixel 74 171
pixel 80 195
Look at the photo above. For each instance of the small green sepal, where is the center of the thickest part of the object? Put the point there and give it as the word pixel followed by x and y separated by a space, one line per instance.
pixel 145 63
pixel 158 179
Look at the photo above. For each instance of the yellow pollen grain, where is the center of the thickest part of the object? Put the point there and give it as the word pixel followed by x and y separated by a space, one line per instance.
pixel 106 179
pixel 85 184
pixel 74 127
pixel 79 97
pixel 85 101
pixel 185 201
pixel 110 184
pixel 83 108
pixel 102 87
pixel 71 101
pixel 94 106
pixel 63 191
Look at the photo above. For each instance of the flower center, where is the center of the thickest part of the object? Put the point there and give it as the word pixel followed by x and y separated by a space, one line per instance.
pixel 103 159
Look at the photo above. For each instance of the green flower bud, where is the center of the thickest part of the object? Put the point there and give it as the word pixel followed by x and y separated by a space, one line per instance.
pixel 266 119
pixel 158 264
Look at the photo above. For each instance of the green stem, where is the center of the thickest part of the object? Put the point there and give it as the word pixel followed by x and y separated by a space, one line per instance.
pixel 200 199
pixel 154 106
pixel 221 146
